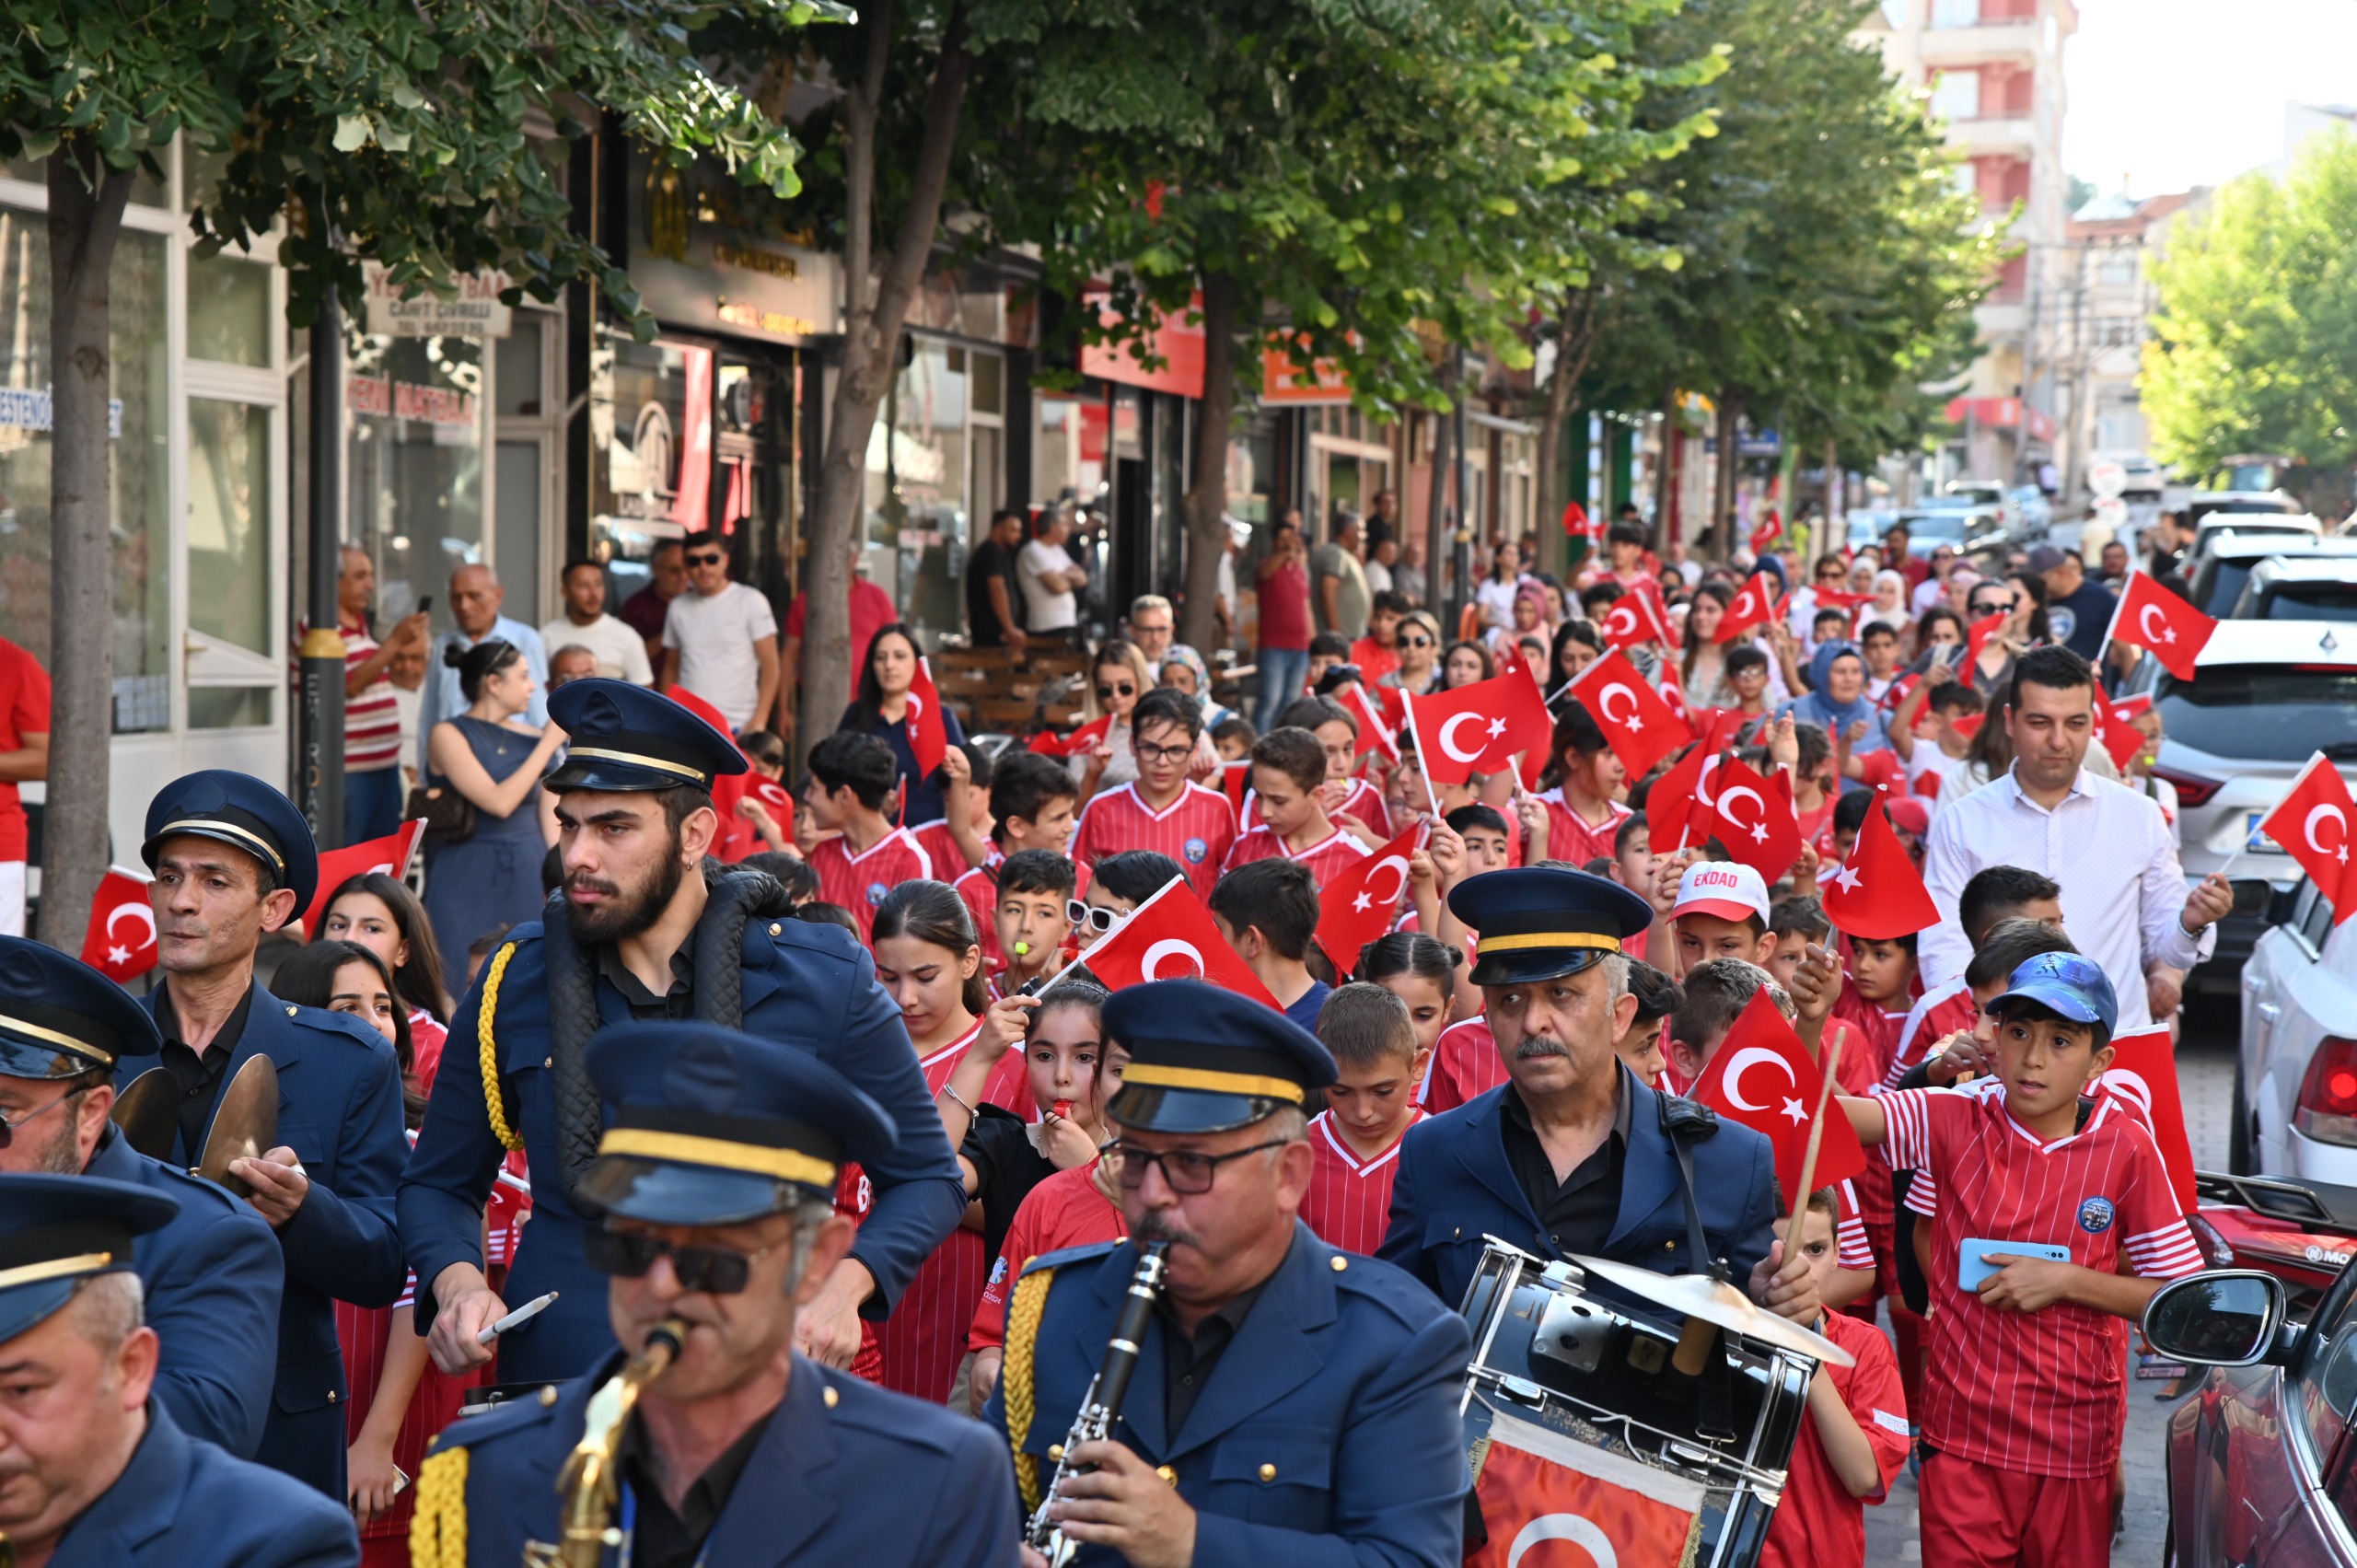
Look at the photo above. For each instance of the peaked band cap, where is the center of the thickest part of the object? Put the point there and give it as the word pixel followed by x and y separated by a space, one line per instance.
pixel 56 1231
pixel 60 1018
pixel 1536 922
pixel 1205 1060
pixel 243 812
pixel 629 739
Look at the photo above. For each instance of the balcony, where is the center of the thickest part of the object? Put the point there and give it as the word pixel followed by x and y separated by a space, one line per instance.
pixel 2015 135
pixel 1990 42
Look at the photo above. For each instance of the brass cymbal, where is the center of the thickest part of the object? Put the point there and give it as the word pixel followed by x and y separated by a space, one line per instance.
pixel 147 1112
pixel 244 1124
pixel 1714 1301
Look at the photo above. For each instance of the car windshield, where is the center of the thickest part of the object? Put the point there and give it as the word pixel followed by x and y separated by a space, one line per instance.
pixel 2226 581
pixel 1978 495
pixel 2313 601
pixel 1936 525
pixel 2264 713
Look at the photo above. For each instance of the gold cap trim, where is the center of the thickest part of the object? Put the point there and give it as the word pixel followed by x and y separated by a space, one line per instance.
pixel 639 760
pixel 211 825
pixel 686 1148
pixel 55 1268
pixel 1528 940
pixel 79 1047
pixel 1212 1082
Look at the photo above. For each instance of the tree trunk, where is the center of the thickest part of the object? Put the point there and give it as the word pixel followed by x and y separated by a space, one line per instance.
pixel 1575 345
pixel 86 202
pixel 1438 552
pixel 1206 498
pixel 1722 477
pixel 876 304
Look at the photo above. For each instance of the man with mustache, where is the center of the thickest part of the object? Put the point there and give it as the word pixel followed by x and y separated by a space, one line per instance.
pixel 713 1188
pixel 644 927
pixel 1283 1389
pixel 1572 1155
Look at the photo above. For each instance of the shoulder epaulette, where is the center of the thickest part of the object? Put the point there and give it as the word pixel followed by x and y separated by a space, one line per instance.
pixel 1089 1253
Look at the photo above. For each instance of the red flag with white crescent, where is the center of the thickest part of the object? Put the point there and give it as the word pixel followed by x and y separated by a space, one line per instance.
pixel 1757 828
pixel 1878 895
pixel 1764 1077
pixel 1753 605
pixel 2143 1077
pixel 1537 1486
pixel 1374 732
pixel 1770 530
pixel 389 856
pixel 2162 624
pixel 1363 903
pixel 928 737
pixel 1478 728
pixel 121 941
pixel 2311 824
pixel 1172 936
pixel 1625 623
pixel 1641 727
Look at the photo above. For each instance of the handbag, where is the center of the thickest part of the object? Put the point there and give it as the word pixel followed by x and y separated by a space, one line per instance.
pixel 449 816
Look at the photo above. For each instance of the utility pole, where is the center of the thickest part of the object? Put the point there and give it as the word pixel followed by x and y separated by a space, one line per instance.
pixel 321 721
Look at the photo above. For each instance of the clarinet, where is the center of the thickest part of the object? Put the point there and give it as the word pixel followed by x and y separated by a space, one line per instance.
pixel 1101 1406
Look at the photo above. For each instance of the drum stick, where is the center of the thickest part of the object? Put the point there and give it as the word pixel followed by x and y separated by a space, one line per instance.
pixel 1808 1160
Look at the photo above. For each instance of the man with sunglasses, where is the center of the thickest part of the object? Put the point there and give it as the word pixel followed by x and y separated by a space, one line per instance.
pixel 713 1185
pixel 1283 1389
pixel 211 1272
pixel 720 639
pixel 647 929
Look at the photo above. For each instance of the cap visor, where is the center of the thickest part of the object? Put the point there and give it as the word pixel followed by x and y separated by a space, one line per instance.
pixel 2064 999
pixel 27 1305
pixel 1522 968
pixel 1152 1107
pixel 662 1192
pixel 605 774
pixel 20 1059
pixel 1725 909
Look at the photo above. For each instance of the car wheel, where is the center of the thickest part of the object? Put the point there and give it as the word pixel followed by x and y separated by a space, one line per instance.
pixel 2238 1160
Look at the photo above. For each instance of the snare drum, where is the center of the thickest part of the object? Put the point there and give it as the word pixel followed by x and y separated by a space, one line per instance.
pixel 1593 1365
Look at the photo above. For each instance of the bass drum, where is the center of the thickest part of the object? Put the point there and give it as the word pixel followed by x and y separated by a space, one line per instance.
pixel 1594 1367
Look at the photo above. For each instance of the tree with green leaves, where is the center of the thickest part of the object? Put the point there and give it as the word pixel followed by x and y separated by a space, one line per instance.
pixel 2254 347
pixel 406 131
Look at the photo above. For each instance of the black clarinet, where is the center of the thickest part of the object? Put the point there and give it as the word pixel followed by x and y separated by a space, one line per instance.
pixel 1101 1407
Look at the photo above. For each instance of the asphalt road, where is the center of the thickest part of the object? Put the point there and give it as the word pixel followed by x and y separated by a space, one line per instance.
pixel 2205 1078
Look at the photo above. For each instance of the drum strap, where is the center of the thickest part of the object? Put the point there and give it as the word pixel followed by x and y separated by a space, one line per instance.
pixel 1715 1392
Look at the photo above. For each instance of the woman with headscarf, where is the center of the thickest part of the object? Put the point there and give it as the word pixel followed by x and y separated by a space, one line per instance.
pixel 1837 699
pixel 1890 606
pixel 1183 668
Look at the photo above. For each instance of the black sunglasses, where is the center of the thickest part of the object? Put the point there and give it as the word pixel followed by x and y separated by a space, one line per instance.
pixel 713 1271
pixel 1418 642
pixel 712 560
pixel 1107 693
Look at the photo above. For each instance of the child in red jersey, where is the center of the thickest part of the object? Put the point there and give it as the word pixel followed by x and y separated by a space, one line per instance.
pixel 1874 999
pixel 1721 912
pixel 1031 917
pixel 2022 1404
pixel 1583 809
pixel 1368 1109
pixel 1633 864
pixel 1163 810
pixel 1422 971
pixel 1288 780
pixel 1031 800
pixel 1855 1438
pixel 1355 804
pixel 850 778
pixel 1658 998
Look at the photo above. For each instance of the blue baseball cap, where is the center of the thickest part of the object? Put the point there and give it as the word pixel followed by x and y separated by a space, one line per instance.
pixel 2070 984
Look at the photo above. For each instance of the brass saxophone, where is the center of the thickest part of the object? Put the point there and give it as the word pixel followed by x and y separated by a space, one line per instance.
pixel 588 1482
pixel 1101 1407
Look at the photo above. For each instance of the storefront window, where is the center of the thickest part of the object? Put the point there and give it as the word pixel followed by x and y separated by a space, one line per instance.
pixel 415 466
pixel 137 434
pixel 918 494
pixel 228 522
pixel 228 309
pixel 650 434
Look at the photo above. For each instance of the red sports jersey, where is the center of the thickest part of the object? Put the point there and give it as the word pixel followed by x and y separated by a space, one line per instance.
pixel 923 1339
pixel 1852 1247
pixel 859 882
pixel 1066 1210
pixel 1818 1524
pixel 1464 1064
pixel 940 846
pixel 1873 1028
pixel 979 887
pixel 854 1195
pixel 1571 839
pixel 1194 829
pixel 2038 1392
pixel 1328 858
pixel 1364 802
pixel 1349 1203
pixel 1935 1015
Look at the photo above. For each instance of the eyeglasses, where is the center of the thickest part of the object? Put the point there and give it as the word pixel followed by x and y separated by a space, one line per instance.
pixel 1987 606
pixel 1107 693
pixel 713 1271
pixel 1164 754
pixel 1096 917
pixel 699 559
pixel 8 1128
pixel 1184 1169
pixel 1418 642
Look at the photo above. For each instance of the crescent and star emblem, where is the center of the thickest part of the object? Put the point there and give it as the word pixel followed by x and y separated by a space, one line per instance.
pixel 117 954
pixel 1603 705
pixel 2319 814
pixel 1757 828
pixel 1578 1529
pixel 1752 1056
pixel 1448 737
pixel 2168 634
pixel 1367 898
pixel 1150 967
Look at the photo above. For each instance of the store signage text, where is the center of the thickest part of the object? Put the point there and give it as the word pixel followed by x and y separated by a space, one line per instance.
pixel 33 407
pixel 472 311
pixel 388 398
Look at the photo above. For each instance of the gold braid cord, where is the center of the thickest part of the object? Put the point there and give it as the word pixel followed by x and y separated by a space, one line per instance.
pixel 1017 1378
pixel 437 1529
pixel 489 1010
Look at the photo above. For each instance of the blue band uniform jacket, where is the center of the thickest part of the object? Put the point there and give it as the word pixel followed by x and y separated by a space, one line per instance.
pixel 807 985
pixel 1327 1434
pixel 1456 1187
pixel 846 1473
pixel 340 1110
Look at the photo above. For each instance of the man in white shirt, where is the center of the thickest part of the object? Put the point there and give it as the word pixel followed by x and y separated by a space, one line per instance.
pixel 475 601
pixel 2124 897
pixel 720 639
pixel 621 653
pixel 1050 578
pixel 1153 624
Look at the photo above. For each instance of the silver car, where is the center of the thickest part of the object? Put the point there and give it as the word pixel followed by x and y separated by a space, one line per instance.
pixel 2266 697
pixel 2295 1088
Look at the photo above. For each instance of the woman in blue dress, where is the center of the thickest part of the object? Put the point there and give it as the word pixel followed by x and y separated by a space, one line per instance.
pixel 492 757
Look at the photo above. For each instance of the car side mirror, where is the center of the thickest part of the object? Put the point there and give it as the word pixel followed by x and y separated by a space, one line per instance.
pixel 2225 1318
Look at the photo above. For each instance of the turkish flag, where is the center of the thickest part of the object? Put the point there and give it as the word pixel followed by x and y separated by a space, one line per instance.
pixel 2142 1077
pixel 1670 804
pixel 1626 624
pixel 1478 728
pixel 389 854
pixel 1647 592
pixel 1770 530
pixel 1839 599
pixel 2318 796
pixel 928 737
pixel 1574 520
pixel 1234 779
pixel 120 942
pixel 2160 623
pixel 1080 742
pixel 1641 727
pixel 1976 636
pixel 1897 692
pixel 1374 732
pixel 1746 817
pixel 1362 903
pixel 2116 726
pixel 1673 692
pixel 1171 937
pixel 1764 1077
pixel 1754 605
pixel 1878 895
pixel 1536 1485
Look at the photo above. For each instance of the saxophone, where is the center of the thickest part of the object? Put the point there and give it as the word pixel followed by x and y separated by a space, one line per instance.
pixel 588 1482
pixel 1101 1407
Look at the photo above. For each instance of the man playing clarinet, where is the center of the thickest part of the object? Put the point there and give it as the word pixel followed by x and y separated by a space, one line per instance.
pixel 1291 1403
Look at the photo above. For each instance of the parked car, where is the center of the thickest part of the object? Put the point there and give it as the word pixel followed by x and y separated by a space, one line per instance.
pixel 1973 530
pixel 2301 587
pixel 2032 513
pixel 2296 1082
pixel 1866 525
pixel 2267 695
pixel 2258 1474
pixel 2203 504
pixel 2221 562
pixel 2145 480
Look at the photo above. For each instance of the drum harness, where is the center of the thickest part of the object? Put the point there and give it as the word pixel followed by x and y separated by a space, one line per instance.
pixel 1685 1123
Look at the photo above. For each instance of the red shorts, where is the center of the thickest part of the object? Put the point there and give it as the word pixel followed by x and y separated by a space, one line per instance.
pixel 1980 1516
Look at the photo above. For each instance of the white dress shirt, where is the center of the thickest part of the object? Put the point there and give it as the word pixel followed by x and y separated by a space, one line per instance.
pixel 2105 845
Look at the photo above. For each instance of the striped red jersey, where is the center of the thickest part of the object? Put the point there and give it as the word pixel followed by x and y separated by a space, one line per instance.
pixel 854 1195
pixel 1364 802
pixel 1936 1014
pixel 1348 1202
pixel 1194 829
pixel 979 887
pixel 2038 1392
pixel 859 882
pixel 1570 838
pixel 1852 1248
pixel 940 846
pixel 1818 1524
pixel 1065 1210
pixel 1326 859
pixel 1874 1028
pixel 1464 1064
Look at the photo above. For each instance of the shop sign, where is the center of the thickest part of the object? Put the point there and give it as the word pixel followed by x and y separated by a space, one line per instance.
pixel 388 398
pixel 34 408
pixel 1283 382
pixel 761 289
pixel 1177 341
pixel 473 309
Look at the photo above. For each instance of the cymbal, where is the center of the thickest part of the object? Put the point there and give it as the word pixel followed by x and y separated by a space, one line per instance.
pixel 244 1124
pixel 147 1112
pixel 1715 1301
